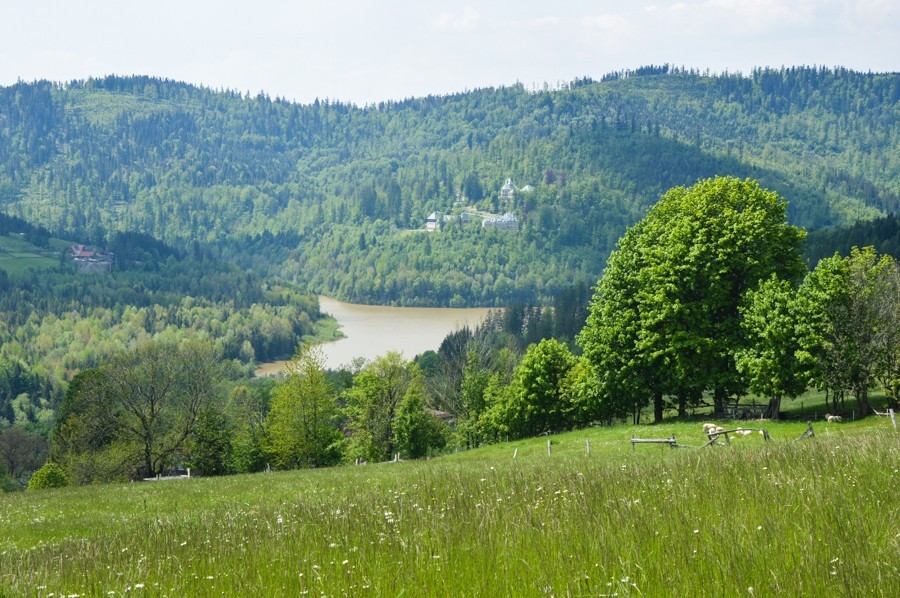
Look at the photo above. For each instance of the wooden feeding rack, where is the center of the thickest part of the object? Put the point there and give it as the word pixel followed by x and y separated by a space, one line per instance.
pixel 670 441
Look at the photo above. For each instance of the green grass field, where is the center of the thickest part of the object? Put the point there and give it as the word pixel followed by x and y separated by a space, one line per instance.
pixel 815 517
pixel 17 254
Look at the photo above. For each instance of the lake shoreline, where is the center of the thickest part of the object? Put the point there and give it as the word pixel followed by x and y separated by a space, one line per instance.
pixel 373 330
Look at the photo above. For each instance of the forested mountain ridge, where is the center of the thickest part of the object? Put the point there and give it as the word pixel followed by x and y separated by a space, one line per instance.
pixel 326 193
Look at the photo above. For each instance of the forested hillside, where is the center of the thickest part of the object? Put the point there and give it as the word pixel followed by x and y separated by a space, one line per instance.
pixel 882 233
pixel 56 320
pixel 335 196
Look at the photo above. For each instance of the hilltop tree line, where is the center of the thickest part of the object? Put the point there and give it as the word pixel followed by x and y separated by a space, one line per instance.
pixel 324 193
pixel 705 299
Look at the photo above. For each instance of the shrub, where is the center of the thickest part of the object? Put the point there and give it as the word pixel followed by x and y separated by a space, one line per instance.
pixel 50 475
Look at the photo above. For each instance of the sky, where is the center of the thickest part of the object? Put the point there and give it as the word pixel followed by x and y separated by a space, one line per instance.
pixel 365 51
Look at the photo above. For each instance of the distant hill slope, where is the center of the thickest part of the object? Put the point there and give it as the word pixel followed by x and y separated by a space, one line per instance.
pixel 324 193
pixel 882 233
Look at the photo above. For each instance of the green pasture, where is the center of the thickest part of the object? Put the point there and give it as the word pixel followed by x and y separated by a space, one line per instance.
pixel 18 255
pixel 814 517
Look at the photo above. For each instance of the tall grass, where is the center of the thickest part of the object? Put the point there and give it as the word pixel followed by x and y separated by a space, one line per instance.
pixel 814 518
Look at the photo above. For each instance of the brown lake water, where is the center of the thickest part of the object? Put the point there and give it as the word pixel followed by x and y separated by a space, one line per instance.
pixel 373 330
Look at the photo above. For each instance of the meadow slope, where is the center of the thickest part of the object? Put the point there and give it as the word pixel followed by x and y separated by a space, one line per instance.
pixel 792 517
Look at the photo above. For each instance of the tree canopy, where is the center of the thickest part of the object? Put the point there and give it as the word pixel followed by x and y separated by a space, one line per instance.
pixel 665 318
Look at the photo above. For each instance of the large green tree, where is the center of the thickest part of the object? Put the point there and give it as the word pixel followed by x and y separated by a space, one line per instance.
pixel 538 401
pixel 160 390
pixel 374 404
pixel 770 361
pixel 302 426
pixel 851 324
pixel 664 320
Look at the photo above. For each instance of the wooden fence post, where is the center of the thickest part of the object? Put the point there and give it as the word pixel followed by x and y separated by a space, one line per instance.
pixel 549 450
pixel 588 445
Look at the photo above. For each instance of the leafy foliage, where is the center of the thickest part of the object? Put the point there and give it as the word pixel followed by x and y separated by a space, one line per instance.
pixel 302 425
pixel 144 406
pixel 851 309
pixel 21 453
pixel 664 319
pixel 538 400
pixel 387 415
pixel 50 475
pixel 770 360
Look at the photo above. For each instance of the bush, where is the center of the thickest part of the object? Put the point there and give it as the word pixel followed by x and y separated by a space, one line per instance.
pixel 7 484
pixel 50 475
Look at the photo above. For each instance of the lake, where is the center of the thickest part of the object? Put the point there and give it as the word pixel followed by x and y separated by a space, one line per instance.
pixel 373 330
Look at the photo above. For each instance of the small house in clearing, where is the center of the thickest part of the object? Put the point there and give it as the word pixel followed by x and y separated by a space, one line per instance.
pixel 433 222
pixel 89 259
pixel 505 222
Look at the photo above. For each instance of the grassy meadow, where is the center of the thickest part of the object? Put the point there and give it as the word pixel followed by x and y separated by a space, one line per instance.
pixel 814 517
pixel 18 255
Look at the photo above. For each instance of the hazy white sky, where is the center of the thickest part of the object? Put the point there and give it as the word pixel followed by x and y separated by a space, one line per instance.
pixel 366 51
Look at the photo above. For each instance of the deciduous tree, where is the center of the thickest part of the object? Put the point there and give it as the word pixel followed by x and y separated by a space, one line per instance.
pixel 160 389
pixel 302 426
pixel 770 360
pixel 664 319
pixel 373 404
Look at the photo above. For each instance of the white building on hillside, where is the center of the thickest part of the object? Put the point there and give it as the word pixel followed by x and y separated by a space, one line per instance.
pixel 505 222
pixel 433 222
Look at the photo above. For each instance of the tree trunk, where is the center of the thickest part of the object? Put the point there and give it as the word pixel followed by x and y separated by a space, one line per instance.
pixel 148 461
pixel 682 404
pixel 658 408
pixel 719 398
pixel 773 408
pixel 862 402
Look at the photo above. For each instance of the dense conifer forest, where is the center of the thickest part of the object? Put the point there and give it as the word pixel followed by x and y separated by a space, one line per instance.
pixel 334 196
